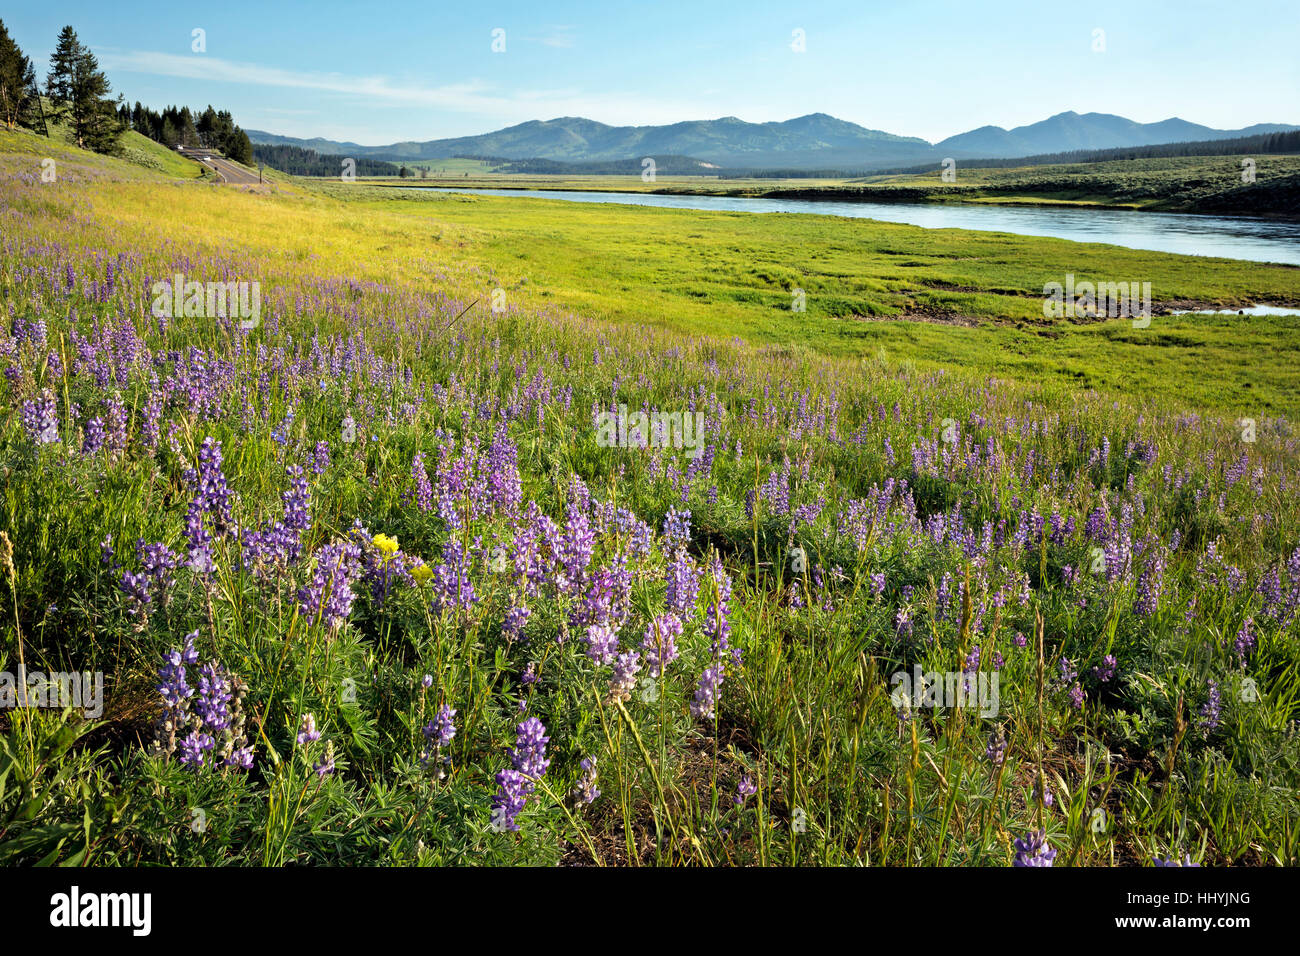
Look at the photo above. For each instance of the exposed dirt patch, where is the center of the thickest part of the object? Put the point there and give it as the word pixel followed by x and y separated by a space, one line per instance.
pixel 922 313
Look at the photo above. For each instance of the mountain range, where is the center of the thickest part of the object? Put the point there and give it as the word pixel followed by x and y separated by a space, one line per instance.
pixel 806 142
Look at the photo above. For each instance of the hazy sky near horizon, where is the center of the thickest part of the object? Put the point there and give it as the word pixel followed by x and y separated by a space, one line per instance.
pixel 386 72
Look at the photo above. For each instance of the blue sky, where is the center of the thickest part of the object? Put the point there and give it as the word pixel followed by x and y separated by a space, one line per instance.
pixel 383 72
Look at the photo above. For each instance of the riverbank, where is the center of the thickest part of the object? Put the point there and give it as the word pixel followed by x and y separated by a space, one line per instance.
pixel 1232 237
pixel 1211 185
pixel 935 298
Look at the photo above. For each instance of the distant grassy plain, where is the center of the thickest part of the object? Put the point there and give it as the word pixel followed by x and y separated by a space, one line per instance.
pixel 1173 184
pixel 966 301
pixel 953 298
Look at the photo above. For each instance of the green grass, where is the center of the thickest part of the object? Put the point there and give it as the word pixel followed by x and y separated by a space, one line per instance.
pixel 828 465
pixel 136 152
pixel 966 299
pixel 936 298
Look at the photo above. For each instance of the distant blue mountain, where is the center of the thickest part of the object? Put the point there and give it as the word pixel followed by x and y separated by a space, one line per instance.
pixel 806 142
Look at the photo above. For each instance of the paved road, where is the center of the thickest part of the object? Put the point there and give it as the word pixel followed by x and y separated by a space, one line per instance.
pixel 227 171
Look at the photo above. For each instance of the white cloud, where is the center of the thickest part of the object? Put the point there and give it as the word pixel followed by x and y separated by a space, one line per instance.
pixel 490 107
pixel 558 37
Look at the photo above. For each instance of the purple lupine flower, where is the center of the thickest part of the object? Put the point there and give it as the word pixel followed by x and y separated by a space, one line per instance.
pixel 577 545
pixel 586 791
pixel 40 419
pixel 996 749
pixel 325 766
pixel 903 623
pixel 213 701
pixel 607 597
pixel 528 762
pixel 307 732
pixel 683 577
pixel 706 695
pixel 156 578
pixel 529 754
pixel 512 795
pixel 1076 696
pixel 626 666
pixel 438 733
pixel 423 489
pixel 1245 641
pixel 1174 861
pixel 512 626
pixel 94 439
pixel 717 616
pixel 452 587
pixel 1034 850
pixel 659 643
pixel 211 493
pixel 1108 669
pixel 175 692
pixel 320 459
pixel 1150 586
pixel 1212 709
pixel 194 747
pixel 602 643
pixel 501 466
pixel 677 529
pixel 297 501
pixel 329 596
pixel 744 790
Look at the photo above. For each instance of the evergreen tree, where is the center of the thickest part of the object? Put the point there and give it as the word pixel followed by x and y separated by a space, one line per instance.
pixel 17 80
pixel 91 114
pixel 79 91
pixel 58 82
pixel 239 147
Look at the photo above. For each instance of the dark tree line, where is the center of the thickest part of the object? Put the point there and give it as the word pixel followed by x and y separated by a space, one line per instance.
pixel 19 104
pixel 180 126
pixel 79 95
pixel 307 162
pixel 77 89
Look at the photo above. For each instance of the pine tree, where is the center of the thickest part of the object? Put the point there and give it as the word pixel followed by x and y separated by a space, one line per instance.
pixel 79 91
pixel 16 81
pixel 93 116
pixel 58 82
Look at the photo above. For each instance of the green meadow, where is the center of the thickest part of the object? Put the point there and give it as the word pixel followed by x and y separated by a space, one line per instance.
pixel 383 518
pixel 949 298
pixel 938 298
